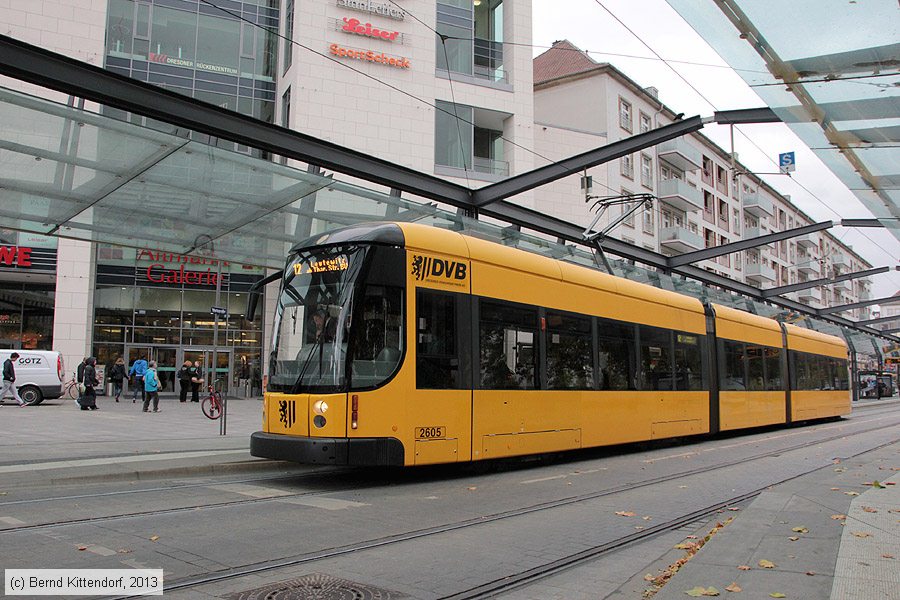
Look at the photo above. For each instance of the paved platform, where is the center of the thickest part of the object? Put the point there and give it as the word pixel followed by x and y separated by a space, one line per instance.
pixel 848 546
pixel 834 533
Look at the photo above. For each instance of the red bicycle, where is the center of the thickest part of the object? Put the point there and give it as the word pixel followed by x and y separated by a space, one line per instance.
pixel 212 404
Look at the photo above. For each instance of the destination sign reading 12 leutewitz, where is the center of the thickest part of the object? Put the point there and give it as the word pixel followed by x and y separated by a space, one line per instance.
pixel 323 265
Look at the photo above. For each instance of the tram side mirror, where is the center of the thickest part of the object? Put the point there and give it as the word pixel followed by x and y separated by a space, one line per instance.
pixel 255 292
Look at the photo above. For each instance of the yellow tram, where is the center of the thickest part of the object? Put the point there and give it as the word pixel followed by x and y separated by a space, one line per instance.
pixel 403 344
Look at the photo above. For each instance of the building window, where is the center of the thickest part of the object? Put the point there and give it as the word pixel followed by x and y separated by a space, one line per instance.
pixel 709 238
pixel 722 179
pixel 470 38
pixel 644 123
pixel 646 171
pixel 288 47
pixel 629 221
pixel 737 220
pixel 707 171
pixel 627 166
pixel 723 214
pixel 648 219
pixel 708 206
pixel 464 139
pixel 625 115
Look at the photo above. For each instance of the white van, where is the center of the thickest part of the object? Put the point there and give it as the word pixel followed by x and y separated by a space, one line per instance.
pixel 39 374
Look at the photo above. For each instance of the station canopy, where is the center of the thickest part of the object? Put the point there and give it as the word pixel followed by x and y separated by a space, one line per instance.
pixel 85 175
pixel 831 72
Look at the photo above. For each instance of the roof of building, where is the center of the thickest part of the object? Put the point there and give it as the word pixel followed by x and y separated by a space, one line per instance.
pixel 563 58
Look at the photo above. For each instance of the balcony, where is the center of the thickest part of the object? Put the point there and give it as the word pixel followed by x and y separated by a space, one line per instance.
pixel 845 286
pixel 680 239
pixel 753 232
pixel 758 205
pixel 759 273
pixel 840 261
pixel 679 194
pixel 809 266
pixel 488 61
pixel 809 295
pixel 678 153
pixel 807 241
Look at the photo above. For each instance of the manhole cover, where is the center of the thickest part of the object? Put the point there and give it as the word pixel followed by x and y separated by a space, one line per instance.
pixel 316 586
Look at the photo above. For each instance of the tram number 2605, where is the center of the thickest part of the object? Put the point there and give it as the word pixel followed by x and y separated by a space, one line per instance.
pixel 428 433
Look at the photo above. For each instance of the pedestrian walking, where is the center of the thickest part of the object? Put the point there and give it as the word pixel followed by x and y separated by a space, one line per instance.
pixel 89 399
pixel 196 381
pixel 9 379
pixel 184 380
pixel 117 375
pixel 137 371
pixel 151 386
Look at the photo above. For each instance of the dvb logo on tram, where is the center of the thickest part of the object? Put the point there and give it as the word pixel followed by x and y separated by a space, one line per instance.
pixel 439 270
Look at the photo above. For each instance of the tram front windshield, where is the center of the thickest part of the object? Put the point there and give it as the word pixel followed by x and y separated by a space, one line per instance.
pixel 313 319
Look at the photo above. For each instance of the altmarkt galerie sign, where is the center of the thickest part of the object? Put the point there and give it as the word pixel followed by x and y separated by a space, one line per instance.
pixel 376 8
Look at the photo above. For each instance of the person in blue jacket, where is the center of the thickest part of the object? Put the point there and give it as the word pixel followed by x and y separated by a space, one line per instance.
pixel 151 385
pixel 137 370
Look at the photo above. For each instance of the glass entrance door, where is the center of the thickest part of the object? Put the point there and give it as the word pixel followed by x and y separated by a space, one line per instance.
pixel 223 368
pixel 166 365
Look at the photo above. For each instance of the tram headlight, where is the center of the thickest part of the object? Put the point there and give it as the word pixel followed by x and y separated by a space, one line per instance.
pixel 320 407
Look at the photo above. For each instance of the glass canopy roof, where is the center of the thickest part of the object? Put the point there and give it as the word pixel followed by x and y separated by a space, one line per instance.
pixel 830 71
pixel 77 174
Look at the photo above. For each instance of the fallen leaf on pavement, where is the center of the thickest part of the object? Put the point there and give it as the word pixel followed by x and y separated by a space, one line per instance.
pixel 153 538
pixel 649 577
pixel 838 517
pixel 869 509
pixel 685 546
pixel 875 484
pixel 625 513
pixel 124 551
pixel 861 534
pixel 766 564
pixel 887 556
pixel 683 487
pixel 890 483
pixel 810 573
pixel 835 489
pixel 82 547
pixel 472 488
pixel 734 508
pixel 793 538
pixel 647 518
pixel 800 529
pixel 777 595
pixel 852 493
pixel 734 587
pixel 743 568
pixel 691 537
pixel 702 591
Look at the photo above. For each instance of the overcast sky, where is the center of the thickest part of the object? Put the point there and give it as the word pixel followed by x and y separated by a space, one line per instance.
pixel 586 24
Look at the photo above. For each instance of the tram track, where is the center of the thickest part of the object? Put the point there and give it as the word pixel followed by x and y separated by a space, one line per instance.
pixel 535 574
pixel 506 514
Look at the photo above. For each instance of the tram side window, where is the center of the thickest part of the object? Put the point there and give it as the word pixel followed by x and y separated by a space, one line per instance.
pixel 774 377
pixel 508 346
pixel 755 357
pixel 377 344
pixel 841 374
pixel 656 358
pixel 569 362
pixel 731 366
pixel 689 371
pixel 616 346
pixel 437 356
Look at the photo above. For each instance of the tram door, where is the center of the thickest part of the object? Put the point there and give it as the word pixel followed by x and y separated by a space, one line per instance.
pixel 223 368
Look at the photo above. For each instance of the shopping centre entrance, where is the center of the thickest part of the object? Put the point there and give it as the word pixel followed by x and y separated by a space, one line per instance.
pixel 234 379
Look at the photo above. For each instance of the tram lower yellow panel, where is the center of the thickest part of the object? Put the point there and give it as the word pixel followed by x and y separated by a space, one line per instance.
pixel 515 444
pixel 741 409
pixel 429 452
pixel 286 413
pixel 627 416
pixel 335 415
pixel 816 404
pixel 399 411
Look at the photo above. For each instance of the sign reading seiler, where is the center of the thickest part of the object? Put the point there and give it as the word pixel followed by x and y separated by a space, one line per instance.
pixel 370 56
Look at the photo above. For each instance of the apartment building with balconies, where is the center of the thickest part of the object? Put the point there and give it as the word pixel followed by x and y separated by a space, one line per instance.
pixel 704 196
